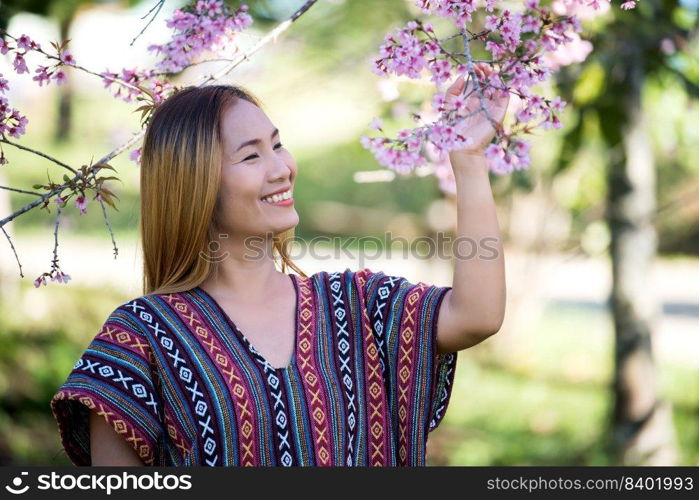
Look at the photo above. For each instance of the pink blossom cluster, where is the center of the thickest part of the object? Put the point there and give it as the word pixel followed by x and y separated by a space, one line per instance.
pixel 525 46
pixel 12 122
pixel 135 81
pixel 55 275
pixel 458 10
pixel 207 25
pixel 44 74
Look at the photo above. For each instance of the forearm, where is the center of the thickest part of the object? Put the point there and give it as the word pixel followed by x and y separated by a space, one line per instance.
pixel 479 271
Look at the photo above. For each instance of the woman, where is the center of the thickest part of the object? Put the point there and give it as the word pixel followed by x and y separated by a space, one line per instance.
pixel 226 360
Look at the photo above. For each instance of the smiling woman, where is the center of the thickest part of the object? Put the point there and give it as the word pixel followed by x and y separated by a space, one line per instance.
pixel 226 360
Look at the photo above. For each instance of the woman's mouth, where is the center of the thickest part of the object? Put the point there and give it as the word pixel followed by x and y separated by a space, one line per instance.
pixel 284 199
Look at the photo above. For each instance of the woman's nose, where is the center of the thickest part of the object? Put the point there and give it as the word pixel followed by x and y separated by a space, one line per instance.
pixel 280 169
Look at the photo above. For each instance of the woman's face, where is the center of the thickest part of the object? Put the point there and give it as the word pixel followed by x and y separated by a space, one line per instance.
pixel 255 165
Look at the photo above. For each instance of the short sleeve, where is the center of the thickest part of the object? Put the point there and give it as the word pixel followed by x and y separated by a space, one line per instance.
pixel 404 318
pixel 114 378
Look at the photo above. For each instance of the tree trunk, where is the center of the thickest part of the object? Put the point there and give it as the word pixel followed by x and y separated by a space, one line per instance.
pixel 642 428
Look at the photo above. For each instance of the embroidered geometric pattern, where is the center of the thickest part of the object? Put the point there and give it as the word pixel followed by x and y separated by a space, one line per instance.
pixel 445 377
pixel 175 376
pixel 383 292
pixel 280 415
pixel 344 346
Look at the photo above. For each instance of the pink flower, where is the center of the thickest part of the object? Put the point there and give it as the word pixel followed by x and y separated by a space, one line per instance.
pixel 376 124
pixel 60 77
pixel 439 102
pixel 404 134
pixel 557 104
pixel 41 280
pixel 24 43
pixel 19 64
pixel 630 4
pixel 492 22
pixel 60 277
pixel 135 156
pixel 42 75
pixel 67 58
pixel 81 203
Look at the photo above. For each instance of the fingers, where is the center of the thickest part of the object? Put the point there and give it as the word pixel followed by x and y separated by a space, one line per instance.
pixel 457 87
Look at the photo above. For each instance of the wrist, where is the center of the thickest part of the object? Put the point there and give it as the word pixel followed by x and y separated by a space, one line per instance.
pixel 468 162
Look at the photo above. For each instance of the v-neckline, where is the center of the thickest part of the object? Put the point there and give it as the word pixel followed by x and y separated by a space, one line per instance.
pixel 241 336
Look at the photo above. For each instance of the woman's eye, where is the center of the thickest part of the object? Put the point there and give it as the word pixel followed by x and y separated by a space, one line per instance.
pixel 253 156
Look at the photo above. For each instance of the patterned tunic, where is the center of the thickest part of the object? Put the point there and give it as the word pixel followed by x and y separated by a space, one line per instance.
pixel 184 386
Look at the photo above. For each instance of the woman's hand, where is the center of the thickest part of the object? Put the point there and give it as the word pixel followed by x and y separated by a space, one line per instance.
pixel 478 127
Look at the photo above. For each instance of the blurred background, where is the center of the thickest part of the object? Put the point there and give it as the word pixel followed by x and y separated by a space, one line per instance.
pixel 597 362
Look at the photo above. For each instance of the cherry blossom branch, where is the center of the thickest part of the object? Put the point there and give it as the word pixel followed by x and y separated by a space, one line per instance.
pixel 41 199
pixel 271 36
pixel 65 59
pixel 38 153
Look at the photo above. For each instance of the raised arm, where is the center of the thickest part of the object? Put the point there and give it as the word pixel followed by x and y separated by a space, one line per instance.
pixel 475 307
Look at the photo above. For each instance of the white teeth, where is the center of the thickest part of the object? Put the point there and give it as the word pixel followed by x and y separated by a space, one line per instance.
pixel 278 197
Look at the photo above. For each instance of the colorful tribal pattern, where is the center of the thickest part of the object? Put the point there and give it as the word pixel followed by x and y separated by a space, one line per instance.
pixel 174 375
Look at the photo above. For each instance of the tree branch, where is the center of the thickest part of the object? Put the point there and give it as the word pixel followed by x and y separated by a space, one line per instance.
pixel 39 153
pixel 157 6
pixel 20 190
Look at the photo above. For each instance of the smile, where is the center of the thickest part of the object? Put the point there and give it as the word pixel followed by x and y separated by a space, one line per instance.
pixel 279 199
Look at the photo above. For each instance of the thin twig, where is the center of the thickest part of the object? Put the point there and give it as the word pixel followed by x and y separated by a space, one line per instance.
pixel 106 219
pixel 44 155
pixel 14 251
pixel 109 228
pixel 20 190
pixel 159 6
pixel 54 263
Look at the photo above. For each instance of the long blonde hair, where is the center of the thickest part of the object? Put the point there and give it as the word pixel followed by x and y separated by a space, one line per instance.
pixel 180 181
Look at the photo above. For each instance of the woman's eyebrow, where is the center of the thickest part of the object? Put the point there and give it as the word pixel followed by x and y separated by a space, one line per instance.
pixel 256 141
